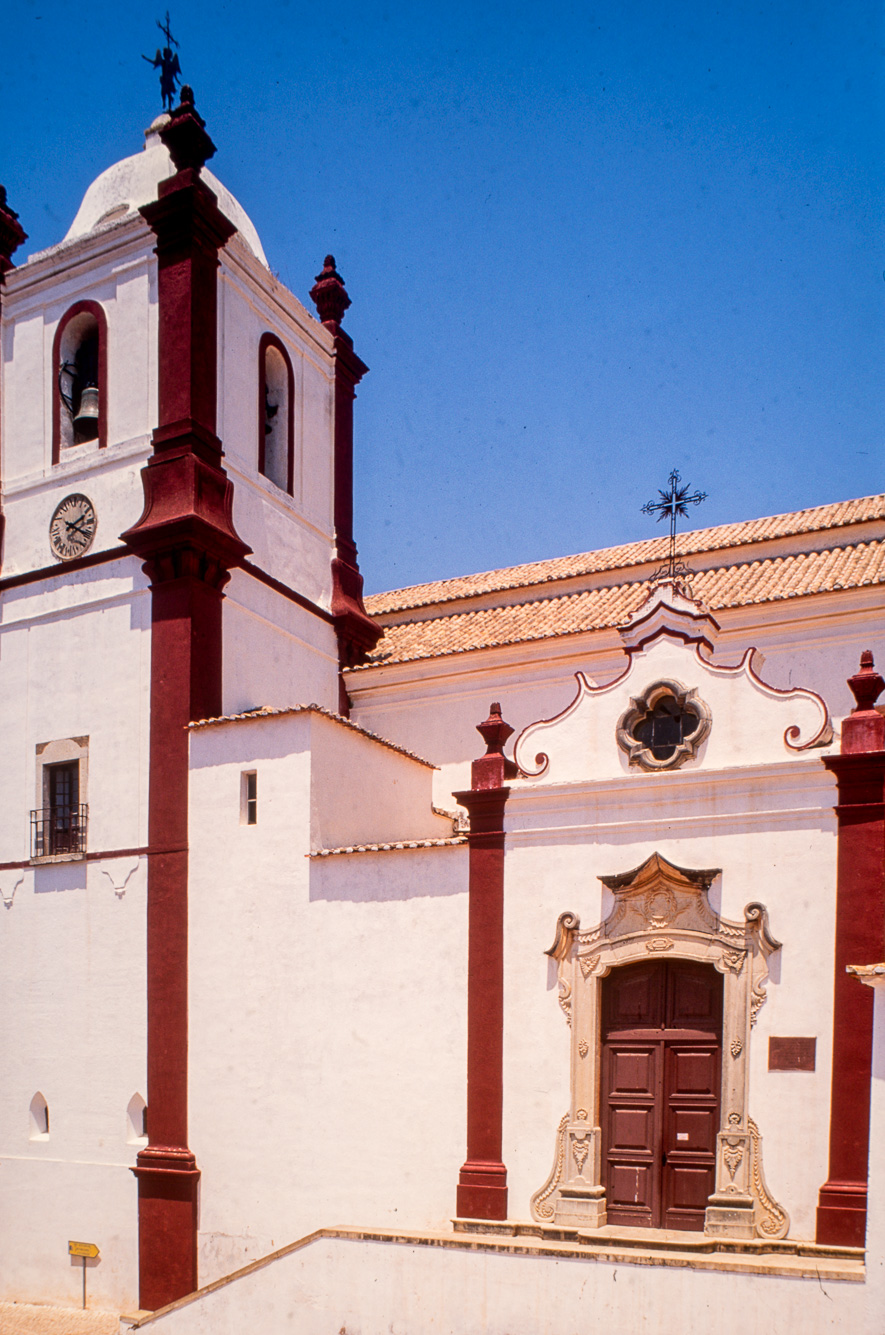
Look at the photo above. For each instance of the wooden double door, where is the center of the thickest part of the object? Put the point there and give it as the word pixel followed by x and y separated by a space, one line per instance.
pixel 661 1064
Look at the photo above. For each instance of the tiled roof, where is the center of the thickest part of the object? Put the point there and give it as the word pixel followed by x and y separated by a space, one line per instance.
pixel 397 847
pixel 740 585
pixel 271 711
pixel 837 515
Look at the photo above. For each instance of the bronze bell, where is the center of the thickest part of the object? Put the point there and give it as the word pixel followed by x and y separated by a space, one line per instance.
pixel 86 419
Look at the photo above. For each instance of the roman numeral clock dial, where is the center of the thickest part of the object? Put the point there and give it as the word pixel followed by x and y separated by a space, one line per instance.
pixel 72 527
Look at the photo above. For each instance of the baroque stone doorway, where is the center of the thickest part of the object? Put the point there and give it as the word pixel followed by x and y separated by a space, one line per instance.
pixel 662 911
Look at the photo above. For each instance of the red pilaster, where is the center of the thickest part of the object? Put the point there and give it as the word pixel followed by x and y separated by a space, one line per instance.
pixel 357 633
pixel 188 542
pixel 12 235
pixel 860 935
pixel 482 1182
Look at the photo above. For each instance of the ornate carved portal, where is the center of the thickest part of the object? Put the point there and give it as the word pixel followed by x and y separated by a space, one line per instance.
pixel 661 910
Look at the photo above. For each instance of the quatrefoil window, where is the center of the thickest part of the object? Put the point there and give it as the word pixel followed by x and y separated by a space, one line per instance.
pixel 664 726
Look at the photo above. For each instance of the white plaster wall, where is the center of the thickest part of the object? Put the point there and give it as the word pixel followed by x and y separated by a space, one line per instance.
pixel 327 1017
pixel 74 662
pixel 275 652
pixel 363 793
pixel 363 1287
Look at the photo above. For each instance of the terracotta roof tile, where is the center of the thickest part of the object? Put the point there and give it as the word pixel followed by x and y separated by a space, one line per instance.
pixel 398 847
pixel 738 585
pixel 837 515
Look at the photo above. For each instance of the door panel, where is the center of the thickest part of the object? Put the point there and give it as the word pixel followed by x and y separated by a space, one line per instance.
pixel 634 1001
pixel 694 996
pixel 632 1071
pixel 694 1071
pixel 694 1129
pixel 661 1061
pixel 630 1193
pixel 631 1116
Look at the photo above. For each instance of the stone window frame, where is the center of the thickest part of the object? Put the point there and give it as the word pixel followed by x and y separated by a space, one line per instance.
pixel 662 910
pixel 66 750
pixel 688 701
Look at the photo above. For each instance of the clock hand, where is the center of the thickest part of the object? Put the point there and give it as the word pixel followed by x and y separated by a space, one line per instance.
pixel 74 525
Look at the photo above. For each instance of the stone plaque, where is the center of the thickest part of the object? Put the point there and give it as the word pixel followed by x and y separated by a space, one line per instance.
pixel 791 1054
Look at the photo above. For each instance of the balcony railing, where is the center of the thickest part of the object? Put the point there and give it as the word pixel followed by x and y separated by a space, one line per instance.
pixel 58 830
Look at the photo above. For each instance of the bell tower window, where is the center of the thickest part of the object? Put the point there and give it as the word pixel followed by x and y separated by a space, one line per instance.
pixel 80 370
pixel 276 436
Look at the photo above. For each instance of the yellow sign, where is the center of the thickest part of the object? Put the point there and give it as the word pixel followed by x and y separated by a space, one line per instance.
pixel 82 1249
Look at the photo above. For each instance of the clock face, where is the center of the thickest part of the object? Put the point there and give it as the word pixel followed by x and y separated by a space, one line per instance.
pixel 72 527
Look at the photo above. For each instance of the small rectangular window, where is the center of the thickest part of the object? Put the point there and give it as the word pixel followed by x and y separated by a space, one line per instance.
pixel 249 798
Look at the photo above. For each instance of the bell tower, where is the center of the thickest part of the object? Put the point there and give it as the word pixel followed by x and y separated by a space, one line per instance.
pixel 177 463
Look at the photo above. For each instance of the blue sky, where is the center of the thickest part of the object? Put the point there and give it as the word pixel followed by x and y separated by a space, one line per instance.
pixel 584 243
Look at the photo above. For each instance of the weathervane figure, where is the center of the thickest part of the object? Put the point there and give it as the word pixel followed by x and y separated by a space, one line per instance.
pixel 671 504
pixel 166 61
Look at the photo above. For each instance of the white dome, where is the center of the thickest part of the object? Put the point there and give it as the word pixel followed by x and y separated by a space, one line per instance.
pixel 127 185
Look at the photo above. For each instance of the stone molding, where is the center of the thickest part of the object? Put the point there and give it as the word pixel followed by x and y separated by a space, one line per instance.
pixel 662 909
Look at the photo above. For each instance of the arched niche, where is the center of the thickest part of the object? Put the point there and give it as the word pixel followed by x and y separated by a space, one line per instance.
pixel 81 346
pixel 662 910
pixel 39 1118
pixel 276 427
pixel 136 1123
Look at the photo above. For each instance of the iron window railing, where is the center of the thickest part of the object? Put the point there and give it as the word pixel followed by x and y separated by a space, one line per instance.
pixel 56 830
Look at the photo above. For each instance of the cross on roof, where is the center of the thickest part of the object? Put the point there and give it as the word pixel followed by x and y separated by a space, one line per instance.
pixel 671 504
pixel 166 61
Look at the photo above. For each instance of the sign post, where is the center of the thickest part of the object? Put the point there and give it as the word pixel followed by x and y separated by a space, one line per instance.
pixel 83 1249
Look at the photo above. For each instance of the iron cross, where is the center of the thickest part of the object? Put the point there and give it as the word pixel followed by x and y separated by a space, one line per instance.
pixel 673 503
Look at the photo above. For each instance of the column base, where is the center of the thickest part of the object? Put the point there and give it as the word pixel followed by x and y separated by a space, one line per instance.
pixel 167 1225
pixel 581 1207
pixel 730 1217
pixel 482 1190
pixel 842 1214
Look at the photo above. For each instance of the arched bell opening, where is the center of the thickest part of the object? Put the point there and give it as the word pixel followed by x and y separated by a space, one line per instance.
pixel 276 434
pixel 80 368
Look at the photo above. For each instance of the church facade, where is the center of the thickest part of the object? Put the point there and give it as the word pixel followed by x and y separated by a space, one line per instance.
pixel 301 976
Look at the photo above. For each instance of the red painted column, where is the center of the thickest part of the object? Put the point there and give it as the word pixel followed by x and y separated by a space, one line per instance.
pixel 482 1182
pixel 12 235
pixel 357 633
pixel 860 935
pixel 188 543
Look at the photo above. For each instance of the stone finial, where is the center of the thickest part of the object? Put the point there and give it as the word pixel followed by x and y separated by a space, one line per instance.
pixel 490 770
pixel 329 296
pixel 494 731
pixel 12 234
pixel 864 728
pixel 185 135
pixel 866 685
